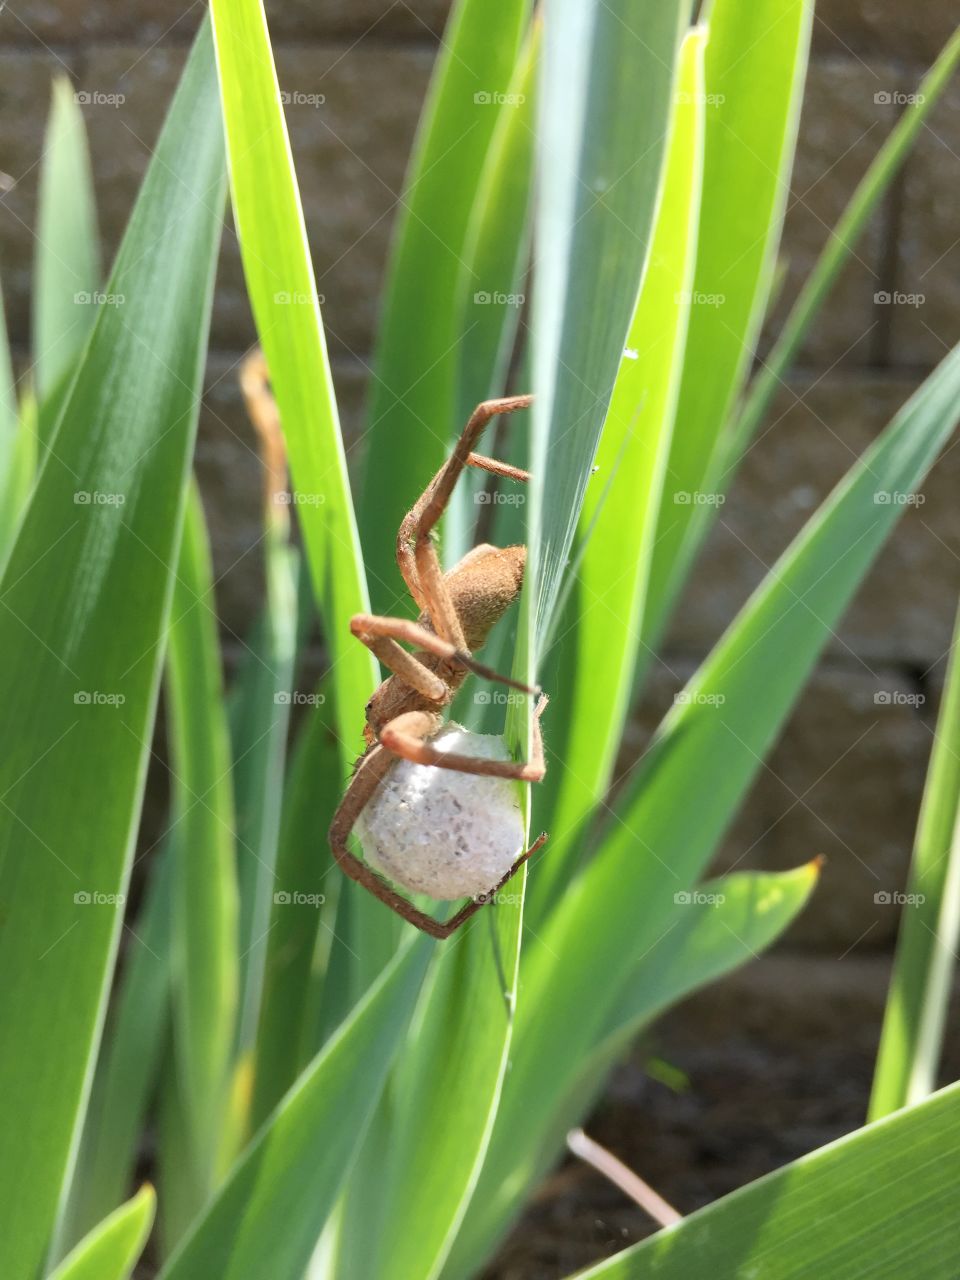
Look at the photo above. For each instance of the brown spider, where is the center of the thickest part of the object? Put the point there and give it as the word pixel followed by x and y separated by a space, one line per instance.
pixel 458 611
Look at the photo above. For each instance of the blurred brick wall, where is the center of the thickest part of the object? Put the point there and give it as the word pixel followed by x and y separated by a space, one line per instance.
pixel 845 780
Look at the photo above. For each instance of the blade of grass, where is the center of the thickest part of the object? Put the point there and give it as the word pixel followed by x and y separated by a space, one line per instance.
pixel 205 941
pixel 912 1039
pixel 67 263
pixel 283 294
pixel 491 280
pixel 414 408
pixel 657 841
pixel 18 448
pixel 307 885
pixel 91 633
pixel 128 1066
pixel 603 112
pixel 111 1250
pixel 619 517
pixel 725 924
pixel 755 68
pixel 860 1206
pixel 268 1216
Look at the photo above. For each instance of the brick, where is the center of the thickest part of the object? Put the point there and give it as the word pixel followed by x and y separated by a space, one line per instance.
pixel 904 610
pixel 350 152
pixel 170 23
pixel 841 129
pixel 885 28
pixel 928 260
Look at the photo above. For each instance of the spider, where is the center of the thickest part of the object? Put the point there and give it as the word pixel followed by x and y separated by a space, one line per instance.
pixel 458 610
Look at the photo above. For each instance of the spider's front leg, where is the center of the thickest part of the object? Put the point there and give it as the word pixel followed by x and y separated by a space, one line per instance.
pixel 408 736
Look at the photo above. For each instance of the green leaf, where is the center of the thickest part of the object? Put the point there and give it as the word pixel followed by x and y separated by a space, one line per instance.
pixel 283 294
pixel 717 733
pixel 414 406
pixel 712 931
pixel 67 264
pixel 129 1063
pixel 111 1250
pixel 876 1202
pixel 268 1215
pixel 18 445
pixel 755 67
pixel 619 517
pixel 492 276
pixel 73 769
pixel 202 846
pixel 265 693
pixel 301 932
pixel 912 1038
pixel 447 1090
pixel 605 100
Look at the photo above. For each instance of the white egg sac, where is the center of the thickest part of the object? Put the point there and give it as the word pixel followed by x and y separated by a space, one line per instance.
pixel 441 832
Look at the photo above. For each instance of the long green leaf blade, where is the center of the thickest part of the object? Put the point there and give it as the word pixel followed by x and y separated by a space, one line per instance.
pixel 912 1039
pixel 268 1216
pixel 67 265
pixel 413 413
pixel 711 931
pixel 619 517
pixel 603 114
pixel 755 67
pixel 205 943
pixel 82 656
pixel 876 1203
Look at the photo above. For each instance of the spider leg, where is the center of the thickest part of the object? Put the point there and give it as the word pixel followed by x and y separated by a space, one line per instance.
pixel 370 773
pixel 416 554
pixel 381 635
pixel 464 914
pixel 407 736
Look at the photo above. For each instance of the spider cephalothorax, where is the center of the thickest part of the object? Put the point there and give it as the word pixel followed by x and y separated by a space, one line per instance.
pixel 404 718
